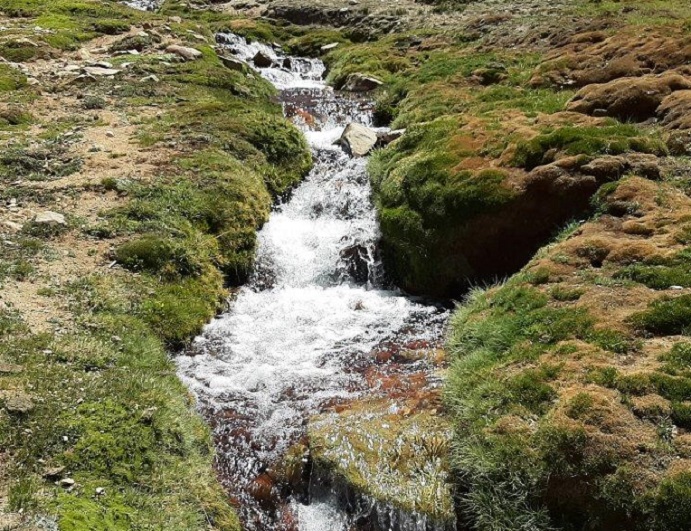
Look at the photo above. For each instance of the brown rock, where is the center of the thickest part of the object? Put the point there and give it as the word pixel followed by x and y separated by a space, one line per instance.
pixel 262 60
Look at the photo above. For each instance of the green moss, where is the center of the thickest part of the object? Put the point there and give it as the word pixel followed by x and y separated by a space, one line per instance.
pixel 613 139
pixel 159 255
pixel 117 418
pixel 564 294
pixel 666 316
pixel 11 79
pixel 671 504
pixel 176 312
pixel 672 272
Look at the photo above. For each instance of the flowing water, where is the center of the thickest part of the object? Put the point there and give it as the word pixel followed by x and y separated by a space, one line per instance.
pixel 315 309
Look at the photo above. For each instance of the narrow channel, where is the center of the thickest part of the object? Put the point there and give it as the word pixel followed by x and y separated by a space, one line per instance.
pixel 294 339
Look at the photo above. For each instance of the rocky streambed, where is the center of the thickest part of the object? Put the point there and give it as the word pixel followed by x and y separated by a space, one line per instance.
pixel 321 381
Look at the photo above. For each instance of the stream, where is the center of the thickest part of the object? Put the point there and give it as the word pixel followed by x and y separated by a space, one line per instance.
pixel 297 338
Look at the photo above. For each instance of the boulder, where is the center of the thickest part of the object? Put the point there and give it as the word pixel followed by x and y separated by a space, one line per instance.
pixel 233 63
pixel 49 218
pixel 634 99
pixel 262 60
pixel 361 83
pixel 188 54
pixel 357 140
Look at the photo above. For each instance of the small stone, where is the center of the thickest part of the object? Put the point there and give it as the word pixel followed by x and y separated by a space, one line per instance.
pixel 328 47
pixel 50 218
pixel 100 491
pixel 101 64
pixel 189 54
pixel 100 71
pixel 361 83
pixel 150 79
pixel 676 288
pixel 19 403
pixel 67 483
pixel 384 138
pixel 176 20
pixel 110 134
pixel 54 473
pixel 234 63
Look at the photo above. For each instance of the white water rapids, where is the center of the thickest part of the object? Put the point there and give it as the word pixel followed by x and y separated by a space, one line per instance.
pixel 315 306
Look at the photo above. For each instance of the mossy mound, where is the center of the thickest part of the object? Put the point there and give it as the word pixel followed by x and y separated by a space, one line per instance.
pixel 393 459
pixel 571 411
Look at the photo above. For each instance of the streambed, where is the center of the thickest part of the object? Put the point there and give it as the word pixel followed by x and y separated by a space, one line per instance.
pixel 303 335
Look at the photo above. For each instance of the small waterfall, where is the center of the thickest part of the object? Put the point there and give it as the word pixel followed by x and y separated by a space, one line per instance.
pixel 315 309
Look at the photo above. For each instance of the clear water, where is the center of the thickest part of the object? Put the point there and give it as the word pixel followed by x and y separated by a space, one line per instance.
pixel 316 305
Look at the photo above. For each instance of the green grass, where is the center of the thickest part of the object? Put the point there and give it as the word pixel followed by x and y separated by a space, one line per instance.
pixel 513 451
pixel 666 316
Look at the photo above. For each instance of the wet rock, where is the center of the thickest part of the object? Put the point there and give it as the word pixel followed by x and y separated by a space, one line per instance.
pixel 357 263
pixel 357 140
pixel 233 63
pixel 287 63
pixel 187 53
pixel 361 83
pixel 262 490
pixel 19 404
pixel 629 98
pixel 262 60
pixel 50 218
pixel 384 138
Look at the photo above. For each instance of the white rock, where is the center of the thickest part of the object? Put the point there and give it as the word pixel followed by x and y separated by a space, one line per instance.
pixel 329 47
pixel 50 218
pixel 189 54
pixel 361 83
pixel 100 71
pixel 357 140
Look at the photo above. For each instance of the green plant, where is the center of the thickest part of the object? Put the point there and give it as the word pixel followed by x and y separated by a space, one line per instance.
pixel 666 316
